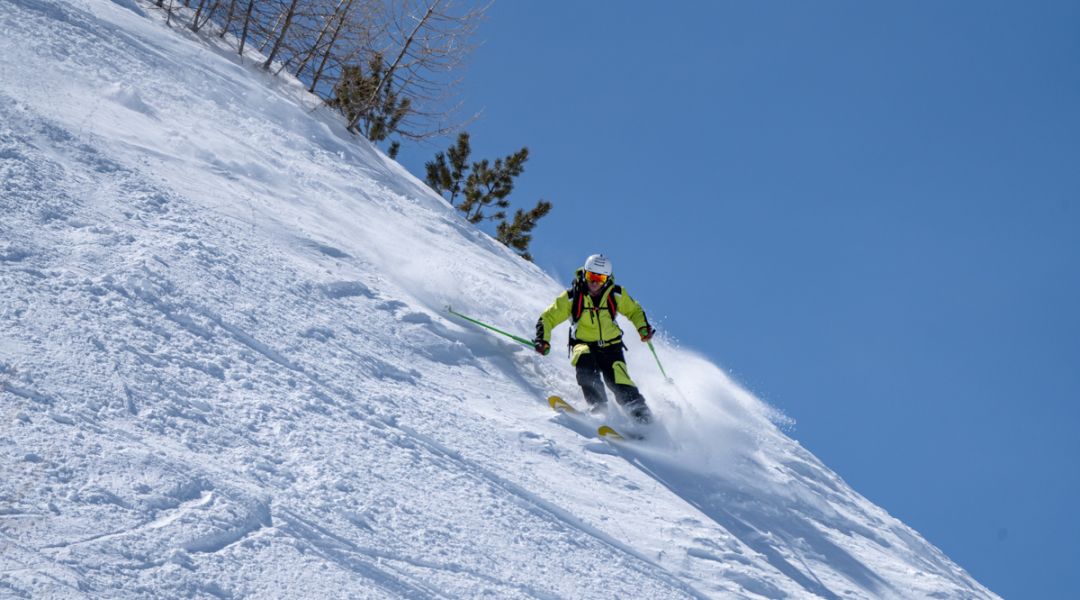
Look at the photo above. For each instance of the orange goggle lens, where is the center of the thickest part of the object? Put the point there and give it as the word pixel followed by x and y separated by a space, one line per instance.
pixel 595 277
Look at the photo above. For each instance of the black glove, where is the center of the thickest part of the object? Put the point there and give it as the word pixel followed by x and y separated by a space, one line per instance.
pixel 541 347
pixel 646 332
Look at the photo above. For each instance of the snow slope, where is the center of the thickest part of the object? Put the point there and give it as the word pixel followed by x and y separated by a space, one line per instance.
pixel 226 371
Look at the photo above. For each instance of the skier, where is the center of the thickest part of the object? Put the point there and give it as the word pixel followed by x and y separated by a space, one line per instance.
pixel 596 345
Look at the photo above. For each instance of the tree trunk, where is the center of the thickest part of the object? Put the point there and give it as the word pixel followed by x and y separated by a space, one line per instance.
pixel 281 38
pixel 247 22
pixel 198 13
pixel 390 70
pixel 330 47
pixel 209 15
pixel 322 34
pixel 228 19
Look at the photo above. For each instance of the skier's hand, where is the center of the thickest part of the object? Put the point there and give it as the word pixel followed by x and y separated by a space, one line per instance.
pixel 541 347
pixel 646 332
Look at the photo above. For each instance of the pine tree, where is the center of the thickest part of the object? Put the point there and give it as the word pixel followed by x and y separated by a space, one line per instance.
pixel 376 109
pixel 488 184
pixel 518 234
pixel 483 185
pixel 446 177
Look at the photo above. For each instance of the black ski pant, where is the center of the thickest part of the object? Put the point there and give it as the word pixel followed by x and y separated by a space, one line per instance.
pixel 605 362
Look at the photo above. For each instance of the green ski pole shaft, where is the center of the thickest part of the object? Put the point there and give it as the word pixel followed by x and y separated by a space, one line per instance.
pixel 520 340
pixel 662 371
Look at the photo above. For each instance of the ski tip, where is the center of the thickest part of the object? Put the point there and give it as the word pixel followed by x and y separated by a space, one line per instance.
pixel 561 405
pixel 607 432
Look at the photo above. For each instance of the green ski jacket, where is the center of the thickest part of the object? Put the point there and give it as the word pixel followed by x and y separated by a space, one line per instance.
pixel 593 322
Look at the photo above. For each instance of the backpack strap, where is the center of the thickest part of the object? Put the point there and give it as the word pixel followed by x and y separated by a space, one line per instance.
pixel 577 301
pixel 576 295
pixel 612 307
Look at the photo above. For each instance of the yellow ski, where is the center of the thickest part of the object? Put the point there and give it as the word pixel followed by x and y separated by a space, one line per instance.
pixel 560 405
pixel 607 432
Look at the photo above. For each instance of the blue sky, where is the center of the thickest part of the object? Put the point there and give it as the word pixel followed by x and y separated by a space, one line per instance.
pixel 868 213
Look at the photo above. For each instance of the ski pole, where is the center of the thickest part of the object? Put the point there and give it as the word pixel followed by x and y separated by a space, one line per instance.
pixel 662 371
pixel 520 340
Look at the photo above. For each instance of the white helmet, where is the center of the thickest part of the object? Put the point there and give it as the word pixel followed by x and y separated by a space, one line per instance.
pixel 598 263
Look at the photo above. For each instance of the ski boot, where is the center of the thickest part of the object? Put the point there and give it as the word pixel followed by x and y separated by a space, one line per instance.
pixel 639 412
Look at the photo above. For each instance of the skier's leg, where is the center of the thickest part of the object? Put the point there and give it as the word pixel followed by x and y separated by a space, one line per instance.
pixel 588 376
pixel 633 402
pixel 626 391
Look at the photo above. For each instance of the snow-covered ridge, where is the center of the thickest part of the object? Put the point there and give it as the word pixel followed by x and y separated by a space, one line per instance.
pixel 225 371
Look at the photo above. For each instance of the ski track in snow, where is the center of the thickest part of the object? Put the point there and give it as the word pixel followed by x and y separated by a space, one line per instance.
pixel 225 371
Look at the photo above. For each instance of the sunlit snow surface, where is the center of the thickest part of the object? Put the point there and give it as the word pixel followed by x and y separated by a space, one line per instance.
pixel 226 371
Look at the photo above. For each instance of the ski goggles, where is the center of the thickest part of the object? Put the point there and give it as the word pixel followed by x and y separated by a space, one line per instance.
pixel 595 277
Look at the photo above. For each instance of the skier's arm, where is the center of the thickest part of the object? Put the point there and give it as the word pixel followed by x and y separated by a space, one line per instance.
pixel 632 310
pixel 558 312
